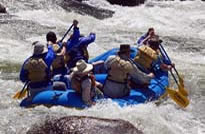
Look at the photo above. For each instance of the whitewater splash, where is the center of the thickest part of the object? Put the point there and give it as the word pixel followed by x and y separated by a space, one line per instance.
pixel 179 24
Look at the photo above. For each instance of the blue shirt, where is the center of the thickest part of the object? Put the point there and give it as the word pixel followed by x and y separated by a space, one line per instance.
pixel 76 41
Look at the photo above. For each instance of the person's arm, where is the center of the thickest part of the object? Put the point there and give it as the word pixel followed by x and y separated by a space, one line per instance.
pixel 165 63
pixel 139 75
pixel 141 39
pixel 86 92
pixel 167 67
pixel 62 46
pixel 63 50
pixel 109 61
pixel 50 56
pixel 74 39
pixel 145 40
pixel 24 73
pixel 76 34
pixel 85 41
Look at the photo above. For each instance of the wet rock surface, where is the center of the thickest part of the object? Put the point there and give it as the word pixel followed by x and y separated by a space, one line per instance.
pixel 126 2
pixel 84 125
pixel 2 9
pixel 82 8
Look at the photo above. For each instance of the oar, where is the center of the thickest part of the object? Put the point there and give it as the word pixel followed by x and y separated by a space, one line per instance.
pixel 66 33
pixel 22 93
pixel 181 81
pixel 180 99
pixel 176 96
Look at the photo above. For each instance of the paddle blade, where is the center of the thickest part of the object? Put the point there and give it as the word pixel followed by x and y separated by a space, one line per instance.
pixel 176 96
pixel 182 90
pixel 16 95
pixel 20 95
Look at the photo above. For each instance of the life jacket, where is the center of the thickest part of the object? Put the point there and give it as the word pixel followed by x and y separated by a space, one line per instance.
pixel 85 52
pixel 76 82
pixel 58 62
pixel 67 57
pixel 118 70
pixel 37 70
pixel 76 54
pixel 146 56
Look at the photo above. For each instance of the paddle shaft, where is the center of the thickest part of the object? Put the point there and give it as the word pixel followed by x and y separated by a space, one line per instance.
pixel 66 33
pixel 24 87
pixel 179 84
pixel 168 59
pixel 138 66
pixel 164 52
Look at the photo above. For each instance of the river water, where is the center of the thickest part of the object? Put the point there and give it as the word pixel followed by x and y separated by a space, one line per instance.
pixel 180 24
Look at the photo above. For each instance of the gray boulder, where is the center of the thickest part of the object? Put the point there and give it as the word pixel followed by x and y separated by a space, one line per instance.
pixel 2 9
pixel 84 125
pixel 127 2
pixel 85 9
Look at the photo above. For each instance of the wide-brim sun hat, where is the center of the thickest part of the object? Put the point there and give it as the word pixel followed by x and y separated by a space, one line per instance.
pixel 82 67
pixel 39 48
pixel 124 48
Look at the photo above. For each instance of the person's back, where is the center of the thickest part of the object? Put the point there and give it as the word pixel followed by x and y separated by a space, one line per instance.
pixel 83 81
pixel 58 64
pixel 119 70
pixel 37 69
pixel 145 58
pixel 119 66
pixel 149 58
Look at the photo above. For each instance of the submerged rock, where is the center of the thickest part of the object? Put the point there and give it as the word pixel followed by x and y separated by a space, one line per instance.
pixel 126 2
pixel 84 125
pixel 2 9
pixel 85 9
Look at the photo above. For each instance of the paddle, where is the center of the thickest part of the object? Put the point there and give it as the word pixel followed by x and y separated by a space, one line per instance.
pixel 180 84
pixel 66 33
pixel 22 93
pixel 181 100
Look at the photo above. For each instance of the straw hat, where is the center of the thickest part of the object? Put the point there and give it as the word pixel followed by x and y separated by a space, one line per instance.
pixel 82 67
pixel 39 48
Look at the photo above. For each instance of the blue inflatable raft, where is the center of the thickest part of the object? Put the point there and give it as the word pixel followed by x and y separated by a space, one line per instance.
pixel 70 98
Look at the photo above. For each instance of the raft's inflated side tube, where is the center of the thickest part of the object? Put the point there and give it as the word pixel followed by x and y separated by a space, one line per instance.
pixel 70 98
